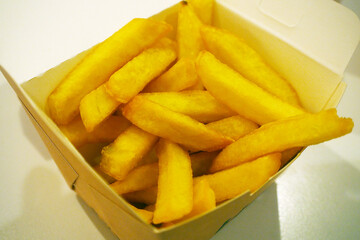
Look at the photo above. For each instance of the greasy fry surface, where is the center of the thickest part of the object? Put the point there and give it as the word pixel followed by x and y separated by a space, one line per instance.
pixel 175 184
pixel 177 127
pixel 239 94
pixel 302 130
pixel 100 64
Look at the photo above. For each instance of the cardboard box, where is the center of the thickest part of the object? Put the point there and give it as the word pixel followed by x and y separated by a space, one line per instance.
pixel 310 43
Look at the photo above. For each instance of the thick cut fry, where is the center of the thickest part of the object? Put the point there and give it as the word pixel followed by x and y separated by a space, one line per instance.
pixel 175 184
pixel 233 127
pixel 102 61
pixel 136 74
pixel 177 127
pixel 140 178
pixel 240 94
pixel 126 151
pixel 147 196
pixel 299 131
pixel 107 131
pixel 203 9
pixel 188 34
pixel 180 76
pixel 146 176
pixel 250 176
pixel 234 52
pixel 204 200
pixel 197 104
pixel 96 106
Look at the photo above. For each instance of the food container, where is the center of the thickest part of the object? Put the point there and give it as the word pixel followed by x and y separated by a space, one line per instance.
pixel 308 42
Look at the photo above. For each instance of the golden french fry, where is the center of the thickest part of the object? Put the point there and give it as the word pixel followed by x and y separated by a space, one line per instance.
pixel 203 201
pixel 147 196
pixel 232 182
pixel 175 183
pixel 240 94
pixel 203 9
pixel 233 127
pixel 188 34
pixel 121 156
pixel 234 52
pixel 96 106
pixel 299 131
pixel 140 178
pixel 197 104
pixel 146 176
pixel 102 61
pixel 136 74
pixel 107 131
pixel 180 76
pixel 177 127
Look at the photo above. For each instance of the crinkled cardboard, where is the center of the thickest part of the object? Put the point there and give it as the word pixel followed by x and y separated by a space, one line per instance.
pixel 309 42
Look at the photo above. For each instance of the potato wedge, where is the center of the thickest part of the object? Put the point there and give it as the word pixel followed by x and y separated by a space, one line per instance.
pixel 240 94
pixel 175 183
pixel 299 131
pixel 233 127
pixel 121 156
pixel 177 127
pixel 102 61
pixel 236 53
pixel 107 131
pixel 232 182
pixel 180 76
pixel 197 104
pixel 136 74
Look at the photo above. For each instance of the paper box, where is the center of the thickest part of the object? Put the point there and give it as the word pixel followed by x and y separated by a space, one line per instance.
pixel 308 42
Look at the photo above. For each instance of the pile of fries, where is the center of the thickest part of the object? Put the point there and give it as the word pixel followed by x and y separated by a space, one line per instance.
pixel 190 122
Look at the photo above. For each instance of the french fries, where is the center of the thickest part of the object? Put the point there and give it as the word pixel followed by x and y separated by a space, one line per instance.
pixel 102 61
pixel 229 87
pixel 299 131
pixel 100 103
pixel 175 184
pixel 121 156
pixel 231 182
pixel 234 52
pixel 176 127
pixel 197 104
pixel 190 122
pixel 180 76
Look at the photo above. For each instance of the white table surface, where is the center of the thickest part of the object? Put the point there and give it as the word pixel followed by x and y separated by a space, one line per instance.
pixel 318 197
